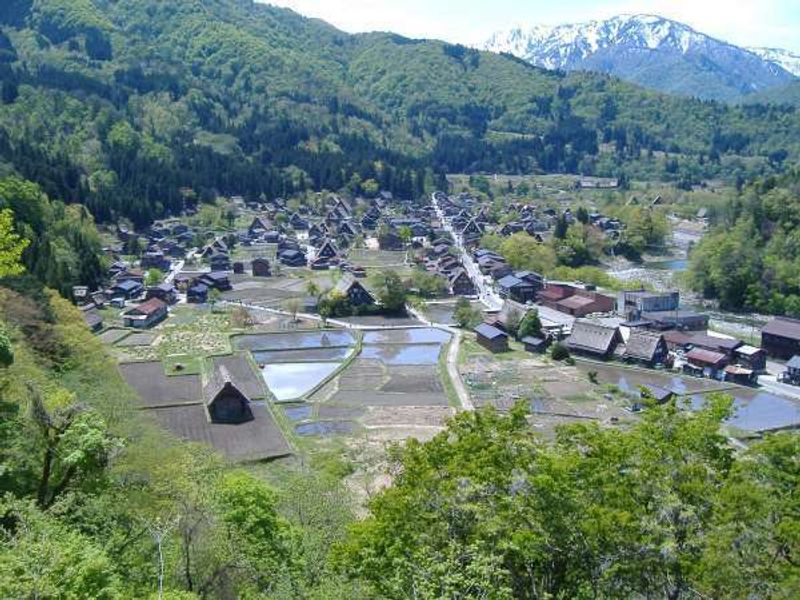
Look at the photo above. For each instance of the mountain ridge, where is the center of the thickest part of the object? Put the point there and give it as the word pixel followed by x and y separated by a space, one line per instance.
pixel 651 51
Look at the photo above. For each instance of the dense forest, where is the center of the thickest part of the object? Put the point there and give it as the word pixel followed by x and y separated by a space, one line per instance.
pixel 751 258
pixel 137 108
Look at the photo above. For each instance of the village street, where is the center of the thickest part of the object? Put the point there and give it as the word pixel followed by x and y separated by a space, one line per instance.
pixel 487 294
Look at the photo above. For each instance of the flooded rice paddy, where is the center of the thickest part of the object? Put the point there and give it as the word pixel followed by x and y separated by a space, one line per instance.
pixel 289 381
pixel 755 410
pixel 417 354
pixel 266 357
pixel 295 340
pixel 299 412
pixel 407 336
pixel 324 428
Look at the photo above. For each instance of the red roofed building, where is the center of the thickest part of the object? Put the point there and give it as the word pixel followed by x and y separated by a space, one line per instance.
pixel 146 315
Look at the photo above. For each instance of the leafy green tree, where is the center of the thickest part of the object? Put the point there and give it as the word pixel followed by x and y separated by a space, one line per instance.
pixel 599 512
pixel 154 277
pixel 6 348
pixel 392 292
pixel 524 252
pixel 530 325
pixel 559 352
pixel 465 315
pixel 42 558
pixel 11 246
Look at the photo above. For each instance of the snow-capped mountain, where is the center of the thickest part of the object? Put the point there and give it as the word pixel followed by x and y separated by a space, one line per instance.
pixel 789 61
pixel 649 50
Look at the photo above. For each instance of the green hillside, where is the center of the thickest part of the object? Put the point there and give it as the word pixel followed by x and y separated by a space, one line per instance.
pixel 786 95
pixel 136 107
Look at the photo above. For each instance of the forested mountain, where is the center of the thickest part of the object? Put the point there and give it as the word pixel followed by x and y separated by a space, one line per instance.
pixel 786 95
pixel 136 107
pixel 654 52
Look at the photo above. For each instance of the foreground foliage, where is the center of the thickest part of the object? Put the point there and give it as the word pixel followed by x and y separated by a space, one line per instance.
pixel 665 509
pixel 96 502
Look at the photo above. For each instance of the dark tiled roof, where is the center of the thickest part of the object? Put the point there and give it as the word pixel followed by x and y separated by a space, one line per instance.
pixel 705 356
pixel 783 327
pixel 642 345
pixel 489 332
pixel 148 308
pixel 712 343
pixel 592 337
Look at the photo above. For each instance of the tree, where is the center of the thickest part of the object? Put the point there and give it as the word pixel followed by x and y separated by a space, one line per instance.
pixel 405 234
pixel 292 306
pixel 214 296
pixel 11 246
pixel 43 558
pixel 74 441
pixel 598 512
pixel 524 252
pixel 559 352
pixel 465 315
pixel 512 322
pixel 530 325
pixel 391 292
pixel 154 277
pixel 6 348
pixel 313 289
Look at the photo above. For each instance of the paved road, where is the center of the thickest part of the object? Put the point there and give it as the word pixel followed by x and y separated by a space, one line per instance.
pixel 487 294
pixel 174 269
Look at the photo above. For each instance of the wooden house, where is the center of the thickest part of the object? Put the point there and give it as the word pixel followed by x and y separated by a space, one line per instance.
pixel 146 315
pixel 224 401
pixel 705 362
pixel 646 347
pixel 535 344
pixel 491 338
pixel 461 284
pixel 792 373
pixel 127 289
pixel 292 258
pixel 516 289
pixel 593 339
pixel 197 294
pixel 164 291
pixel 354 290
pixel 780 338
pixel 260 267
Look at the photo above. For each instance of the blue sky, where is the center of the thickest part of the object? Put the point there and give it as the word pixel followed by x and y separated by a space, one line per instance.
pixel 774 23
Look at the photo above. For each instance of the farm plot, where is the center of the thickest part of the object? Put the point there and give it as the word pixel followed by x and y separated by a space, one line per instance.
pixel 423 335
pixel 377 258
pixel 294 340
pixel 381 321
pixel 413 380
pixel 308 354
pixel 261 295
pixel 370 382
pixel 258 439
pixel 112 336
pixel 155 388
pixel 136 339
pixel 443 312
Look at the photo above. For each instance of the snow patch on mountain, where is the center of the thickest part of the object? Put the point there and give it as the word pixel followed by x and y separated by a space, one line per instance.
pixel 787 60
